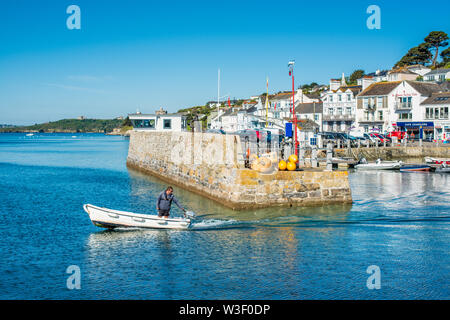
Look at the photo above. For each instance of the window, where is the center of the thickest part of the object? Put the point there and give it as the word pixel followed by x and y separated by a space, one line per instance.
pixel 137 123
pixel 436 113
pixel 443 114
pixel 167 124
pixel 380 102
pixel 349 97
pixel 366 102
pixel 339 111
pixel 316 117
pixel 405 116
pixel 339 97
pixel 349 110
pixel 428 113
pixel 380 115
pixel 331 98
pixel 149 123
pixel 331 111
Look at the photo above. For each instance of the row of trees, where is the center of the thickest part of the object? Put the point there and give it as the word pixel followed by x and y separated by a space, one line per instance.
pixel 427 53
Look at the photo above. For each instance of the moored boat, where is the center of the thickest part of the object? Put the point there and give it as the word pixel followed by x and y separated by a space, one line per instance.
pixel 431 160
pixel 380 165
pixel 415 167
pixel 442 169
pixel 108 218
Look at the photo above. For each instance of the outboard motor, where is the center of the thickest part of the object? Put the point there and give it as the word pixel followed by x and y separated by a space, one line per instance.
pixel 190 215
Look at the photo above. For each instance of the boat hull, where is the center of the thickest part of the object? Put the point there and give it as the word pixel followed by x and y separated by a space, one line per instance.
pixel 415 169
pixel 374 166
pixel 108 218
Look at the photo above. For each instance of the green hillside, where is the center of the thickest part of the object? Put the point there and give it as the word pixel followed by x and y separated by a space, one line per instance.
pixel 71 125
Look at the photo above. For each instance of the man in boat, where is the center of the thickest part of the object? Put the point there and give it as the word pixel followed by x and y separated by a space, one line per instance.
pixel 164 202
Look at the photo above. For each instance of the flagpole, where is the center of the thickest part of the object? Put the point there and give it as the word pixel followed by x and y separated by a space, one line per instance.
pixel 218 91
pixel 267 100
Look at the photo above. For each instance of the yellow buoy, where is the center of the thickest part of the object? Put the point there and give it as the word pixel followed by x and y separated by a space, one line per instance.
pixel 291 166
pixel 293 158
pixel 282 165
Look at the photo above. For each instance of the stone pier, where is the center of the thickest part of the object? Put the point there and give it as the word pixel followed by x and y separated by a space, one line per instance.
pixel 212 165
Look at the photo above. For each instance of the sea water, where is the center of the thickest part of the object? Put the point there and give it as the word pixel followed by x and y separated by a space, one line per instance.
pixel 399 222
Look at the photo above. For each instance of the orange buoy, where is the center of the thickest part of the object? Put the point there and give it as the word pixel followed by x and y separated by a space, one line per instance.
pixel 293 158
pixel 282 165
pixel 291 166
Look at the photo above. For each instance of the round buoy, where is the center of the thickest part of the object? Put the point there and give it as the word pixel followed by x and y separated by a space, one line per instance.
pixel 282 165
pixel 291 166
pixel 253 157
pixel 293 158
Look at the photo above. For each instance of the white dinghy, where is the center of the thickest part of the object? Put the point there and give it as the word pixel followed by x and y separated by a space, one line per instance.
pixel 108 218
pixel 380 165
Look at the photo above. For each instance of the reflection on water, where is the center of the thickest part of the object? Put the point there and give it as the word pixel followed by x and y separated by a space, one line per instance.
pixel 398 221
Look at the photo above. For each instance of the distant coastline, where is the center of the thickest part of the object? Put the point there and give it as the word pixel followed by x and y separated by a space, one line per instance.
pixel 107 126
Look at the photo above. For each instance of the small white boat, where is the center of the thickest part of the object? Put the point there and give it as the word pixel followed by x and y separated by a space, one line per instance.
pixel 431 160
pixel 30 134
pixel 108 218
pixel 380 165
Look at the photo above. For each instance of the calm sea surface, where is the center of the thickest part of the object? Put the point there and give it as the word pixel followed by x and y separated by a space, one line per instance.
pixel 399 222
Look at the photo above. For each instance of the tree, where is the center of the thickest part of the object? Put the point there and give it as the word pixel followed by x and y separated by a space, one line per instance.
pixel 417 55
pixel 435 40
pixel 445 55
pixel 357 74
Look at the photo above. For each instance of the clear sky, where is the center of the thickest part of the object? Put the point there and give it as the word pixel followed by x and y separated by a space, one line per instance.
pixel 145 55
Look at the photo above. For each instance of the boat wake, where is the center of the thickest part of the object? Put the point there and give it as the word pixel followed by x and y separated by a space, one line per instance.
pixel 209 224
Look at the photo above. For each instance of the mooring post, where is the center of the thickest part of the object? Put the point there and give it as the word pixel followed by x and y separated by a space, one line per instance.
pixel 314 157
pixel 329 157
pixel 302 154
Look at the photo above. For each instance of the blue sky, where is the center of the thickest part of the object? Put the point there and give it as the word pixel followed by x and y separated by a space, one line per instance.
pixel 145 55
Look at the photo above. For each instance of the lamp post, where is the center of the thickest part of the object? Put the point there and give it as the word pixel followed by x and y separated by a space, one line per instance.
pixel 294 116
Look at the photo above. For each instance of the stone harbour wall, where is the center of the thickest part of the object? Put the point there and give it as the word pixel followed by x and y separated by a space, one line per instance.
pixel 212 165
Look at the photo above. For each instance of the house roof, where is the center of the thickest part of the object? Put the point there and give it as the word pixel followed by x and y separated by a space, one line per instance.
pixel 425 88
pixel 401 70
pixel 281 96
pixel 438 71
pixel 354 89
pixel 384 88
pixel 437 98
pixel 143 115
pixel 380 74
pixel 309 107
pixel 379 89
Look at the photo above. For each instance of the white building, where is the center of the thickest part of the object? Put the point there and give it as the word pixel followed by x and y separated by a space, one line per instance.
pixel 339 107
pixel 436 109
pixel 280 104
pixel 391 106
pixel 160 121
pixel 437 75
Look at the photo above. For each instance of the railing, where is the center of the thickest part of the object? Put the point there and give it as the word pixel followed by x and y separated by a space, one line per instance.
pixel 343 117
pixel 402 106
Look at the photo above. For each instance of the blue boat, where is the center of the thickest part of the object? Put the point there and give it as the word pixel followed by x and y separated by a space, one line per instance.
pixel 415 167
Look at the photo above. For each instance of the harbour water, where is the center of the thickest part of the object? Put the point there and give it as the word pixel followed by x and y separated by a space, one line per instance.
pixel 399 222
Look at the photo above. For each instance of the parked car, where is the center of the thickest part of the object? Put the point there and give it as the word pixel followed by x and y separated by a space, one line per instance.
pixel 219 131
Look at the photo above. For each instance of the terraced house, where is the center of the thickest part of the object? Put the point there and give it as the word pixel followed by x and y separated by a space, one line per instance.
pixel 339 107
pixel 396 105
pixel 436 109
